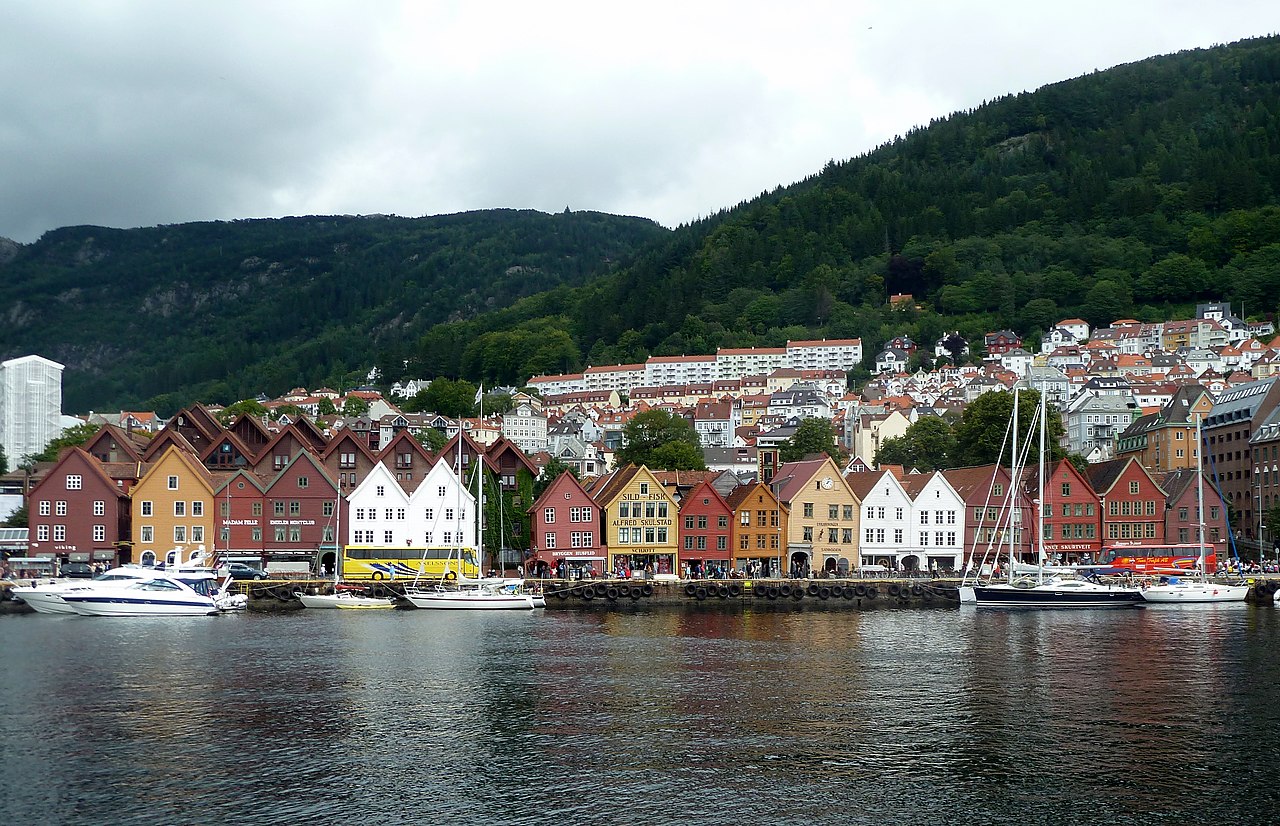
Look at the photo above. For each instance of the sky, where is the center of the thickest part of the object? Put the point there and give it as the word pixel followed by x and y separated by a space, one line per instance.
pixel 127 114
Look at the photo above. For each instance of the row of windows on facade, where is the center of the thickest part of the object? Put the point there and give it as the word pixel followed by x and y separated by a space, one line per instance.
pixel 146 534
pixel 877 536
pixel 366 537
pixel 279 507
pixel 60 507
pixel 60 533
pixel 399 514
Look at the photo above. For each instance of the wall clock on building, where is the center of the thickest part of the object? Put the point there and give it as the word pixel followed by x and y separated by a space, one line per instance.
pixel 826 483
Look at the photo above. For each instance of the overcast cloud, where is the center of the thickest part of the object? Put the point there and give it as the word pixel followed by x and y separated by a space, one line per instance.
pixel 131 114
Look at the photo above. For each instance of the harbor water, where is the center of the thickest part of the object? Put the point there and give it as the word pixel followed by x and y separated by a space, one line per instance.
pixel 885 716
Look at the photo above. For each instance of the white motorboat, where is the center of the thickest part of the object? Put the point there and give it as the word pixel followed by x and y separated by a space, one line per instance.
pixel 180 595
pixel 345 599
pixel 46 598
pixel 1181 590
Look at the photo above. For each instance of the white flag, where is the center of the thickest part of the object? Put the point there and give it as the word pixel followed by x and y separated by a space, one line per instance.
pixel 480 393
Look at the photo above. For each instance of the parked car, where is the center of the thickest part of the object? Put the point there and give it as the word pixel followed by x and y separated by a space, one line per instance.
pixel 77 570
pixel 238 570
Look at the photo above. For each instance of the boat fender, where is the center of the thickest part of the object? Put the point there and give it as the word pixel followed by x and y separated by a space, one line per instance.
pixel 773 592
pixel 735 590
pixel 611 593
pixel 813 589
pixel 797 593
pixel 689 589
pixel 837 591
pixel 699 593
pixel 848 592
pixel 872 592
pixel 894 590
pixel 723 592
pixel 561 593
pixel 860 590
pixel 636 592
pixel 648 590
pixel 588 593
pixel 824 592
pixel 917 589
pixel 786 589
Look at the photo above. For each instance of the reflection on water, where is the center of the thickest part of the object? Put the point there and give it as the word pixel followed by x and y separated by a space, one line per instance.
pixel 1158 715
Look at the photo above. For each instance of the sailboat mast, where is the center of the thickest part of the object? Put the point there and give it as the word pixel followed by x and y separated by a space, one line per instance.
pixel 1200 498
pixel 1040 487
pixel 480 494
pixel 1015 515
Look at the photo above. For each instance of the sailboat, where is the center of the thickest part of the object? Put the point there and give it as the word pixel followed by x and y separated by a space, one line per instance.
pixel 1198 588
pixel 480 593
pixel 342 598
pixel 1043 588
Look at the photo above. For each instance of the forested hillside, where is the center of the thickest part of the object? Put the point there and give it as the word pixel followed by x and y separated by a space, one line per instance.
pixel 163 316
pixel 1136 191
pixel 1131 192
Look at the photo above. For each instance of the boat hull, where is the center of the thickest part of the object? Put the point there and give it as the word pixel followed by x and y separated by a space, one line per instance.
pixel 345 601
pixel 1182 593
pixel 473 601
pixel 44 602
pixel 104 605
pixel 1049 596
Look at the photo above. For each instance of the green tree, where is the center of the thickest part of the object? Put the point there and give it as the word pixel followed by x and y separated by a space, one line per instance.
pixel 71 437
pixel 291 410
pixel 450 398
pixel 4 462
pixel 326 407
pixel 553 471
pixel 812 436
pixel 983 426
pixel 18 519
pixel 431 438
pixel 1105 302
pixel 231 412
pixel 926 445
pixel 355 406
pixel 651 430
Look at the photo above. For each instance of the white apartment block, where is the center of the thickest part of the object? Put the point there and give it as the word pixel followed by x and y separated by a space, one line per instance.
pixel 660 371
pixel 30 405
pixel 621 377
pixel 736 362
pixel 559 384
pixel 833 354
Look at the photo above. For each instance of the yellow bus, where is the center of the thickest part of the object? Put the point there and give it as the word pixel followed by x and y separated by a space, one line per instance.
pixel 379 562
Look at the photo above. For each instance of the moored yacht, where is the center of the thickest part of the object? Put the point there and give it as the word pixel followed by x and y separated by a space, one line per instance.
pixel 160 595
pixel 488 595
pixel 1051 591
pixel 1178 589
pixel 46 598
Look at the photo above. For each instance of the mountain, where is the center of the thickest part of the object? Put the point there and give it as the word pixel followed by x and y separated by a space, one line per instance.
pixel 1136 191
pixel 163 316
